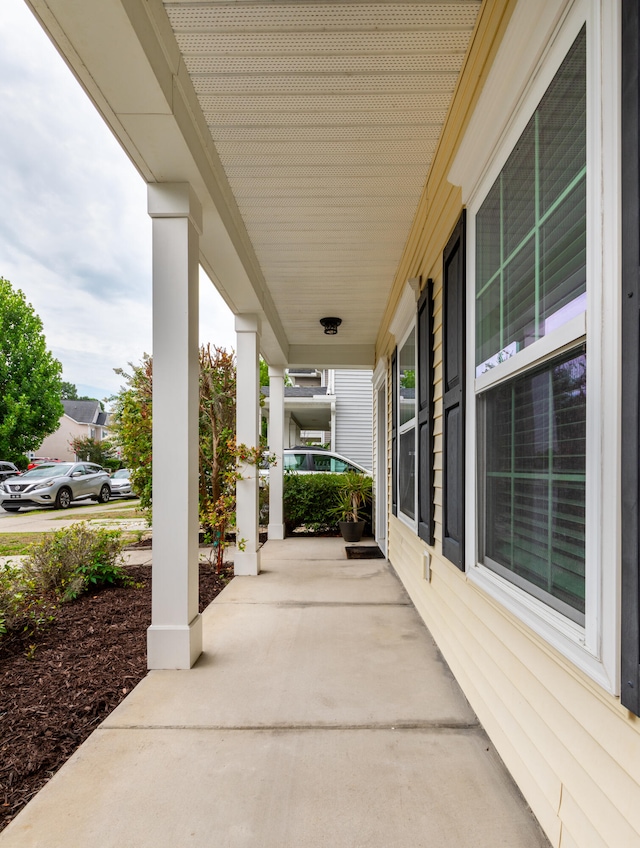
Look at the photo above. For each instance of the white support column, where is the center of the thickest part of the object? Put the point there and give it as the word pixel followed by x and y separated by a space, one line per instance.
pixel 333 425
pixel 174 639
pixel 276 445
pixel 247 556
pixel 288 443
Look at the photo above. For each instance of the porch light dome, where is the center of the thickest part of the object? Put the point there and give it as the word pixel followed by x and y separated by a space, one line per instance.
pixel 331 325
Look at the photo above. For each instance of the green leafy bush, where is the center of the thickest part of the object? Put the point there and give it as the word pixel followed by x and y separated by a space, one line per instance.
pixel 75 559
pixel 310 501
pixel 21 608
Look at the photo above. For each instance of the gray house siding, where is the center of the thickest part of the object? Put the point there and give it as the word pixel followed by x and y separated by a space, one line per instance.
pixel 354 416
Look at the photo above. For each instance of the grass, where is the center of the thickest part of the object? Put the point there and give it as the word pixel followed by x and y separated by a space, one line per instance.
pixel 17 544
pixel 130 512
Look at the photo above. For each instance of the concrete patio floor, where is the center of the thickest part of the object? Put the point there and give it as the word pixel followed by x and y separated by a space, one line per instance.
pixel 320 715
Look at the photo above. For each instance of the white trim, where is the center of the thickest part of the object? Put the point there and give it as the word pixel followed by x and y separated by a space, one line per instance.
pixel 552 344
pixel 411 424
pixel 406 309
pixel 608 325
pixel 381 481
pixel 594 647
pixel 379 375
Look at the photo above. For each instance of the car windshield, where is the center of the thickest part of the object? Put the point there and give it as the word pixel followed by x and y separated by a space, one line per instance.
pixel 123 472
pixel 60 469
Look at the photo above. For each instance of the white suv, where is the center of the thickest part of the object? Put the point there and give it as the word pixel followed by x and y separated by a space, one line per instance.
pixel 56 484
pixel 308 460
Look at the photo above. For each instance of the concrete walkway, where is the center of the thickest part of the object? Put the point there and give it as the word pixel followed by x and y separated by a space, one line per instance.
pixel 321 715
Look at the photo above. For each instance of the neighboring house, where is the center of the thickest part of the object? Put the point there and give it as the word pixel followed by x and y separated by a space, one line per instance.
pixel 330 407
pixel 81 419
pixel 458 183
pixel 354 415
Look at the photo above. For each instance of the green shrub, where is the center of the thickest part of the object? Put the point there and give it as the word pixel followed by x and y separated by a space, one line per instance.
pixel 21 608
pixel 310 501
pixel 75 559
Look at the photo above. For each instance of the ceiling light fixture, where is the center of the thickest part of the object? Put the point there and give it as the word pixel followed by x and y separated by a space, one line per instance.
pixel 331 325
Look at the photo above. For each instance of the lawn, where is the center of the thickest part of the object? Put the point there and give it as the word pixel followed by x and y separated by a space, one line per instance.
pixel 16 544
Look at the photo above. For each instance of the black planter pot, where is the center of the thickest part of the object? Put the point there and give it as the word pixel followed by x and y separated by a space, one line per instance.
pixel 351 530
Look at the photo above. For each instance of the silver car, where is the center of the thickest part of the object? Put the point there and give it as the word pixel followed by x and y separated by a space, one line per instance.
pixel 56 484
pixel 121 484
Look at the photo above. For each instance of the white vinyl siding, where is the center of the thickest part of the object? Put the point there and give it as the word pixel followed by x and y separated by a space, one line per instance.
pixel 354 415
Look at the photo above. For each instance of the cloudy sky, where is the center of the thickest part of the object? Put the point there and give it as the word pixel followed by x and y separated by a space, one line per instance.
pixel 74 232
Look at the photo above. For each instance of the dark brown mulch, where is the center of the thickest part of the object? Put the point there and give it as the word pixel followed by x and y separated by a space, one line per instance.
pixel 82 666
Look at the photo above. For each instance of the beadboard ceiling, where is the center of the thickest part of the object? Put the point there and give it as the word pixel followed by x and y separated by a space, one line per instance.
pixel 325 117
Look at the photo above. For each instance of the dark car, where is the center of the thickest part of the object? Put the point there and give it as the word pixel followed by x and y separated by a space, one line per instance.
pixel 8 469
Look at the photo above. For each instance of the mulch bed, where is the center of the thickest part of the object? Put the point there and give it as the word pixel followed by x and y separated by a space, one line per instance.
pixel 81 668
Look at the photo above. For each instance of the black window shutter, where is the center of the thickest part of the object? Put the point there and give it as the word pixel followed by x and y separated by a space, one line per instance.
pixel 425 415
pixel 630 636
pixel 453 343
pixel 394 432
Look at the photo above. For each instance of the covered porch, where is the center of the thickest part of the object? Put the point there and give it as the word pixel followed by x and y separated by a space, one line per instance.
pixel 285 147
pixel 320 713
pixel 361 161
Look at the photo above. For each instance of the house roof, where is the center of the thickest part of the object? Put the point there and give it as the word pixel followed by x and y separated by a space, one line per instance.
pixel 84 411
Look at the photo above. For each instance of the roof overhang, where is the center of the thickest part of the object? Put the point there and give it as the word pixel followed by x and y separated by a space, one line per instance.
pixel 305 128
pixel 310 413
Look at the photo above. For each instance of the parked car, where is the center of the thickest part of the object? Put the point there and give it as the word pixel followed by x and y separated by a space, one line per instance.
pixel 308 460
pixel 38 460
pixel 8 469
pixel 56 484
pixel 121 484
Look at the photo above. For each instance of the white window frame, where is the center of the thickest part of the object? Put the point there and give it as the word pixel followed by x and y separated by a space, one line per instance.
pixel 533 49
pixel 408 425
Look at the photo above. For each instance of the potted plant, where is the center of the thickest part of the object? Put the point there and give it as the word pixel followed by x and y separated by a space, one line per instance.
pixel 353 495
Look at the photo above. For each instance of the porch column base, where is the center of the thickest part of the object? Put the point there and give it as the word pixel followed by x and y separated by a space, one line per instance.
pixel 275 531
pixel 246 563
pixel 174 646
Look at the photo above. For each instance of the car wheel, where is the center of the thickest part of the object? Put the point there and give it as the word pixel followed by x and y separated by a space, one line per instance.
pixel 105 494
pixel 10 508
pixel 63 499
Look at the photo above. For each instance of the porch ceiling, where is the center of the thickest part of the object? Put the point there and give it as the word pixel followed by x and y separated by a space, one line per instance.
pixel 306 128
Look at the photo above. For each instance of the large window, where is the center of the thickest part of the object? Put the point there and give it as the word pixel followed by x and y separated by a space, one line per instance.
pixel 530 298
pixel 534 481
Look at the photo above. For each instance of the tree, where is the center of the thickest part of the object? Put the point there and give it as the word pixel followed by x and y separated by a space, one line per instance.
pixel 264 373
pixel 89 450
pixel 217 421
pixel 220 459
pixel 131 426
pixel 30 377
pixel 131 423
pixel 69 391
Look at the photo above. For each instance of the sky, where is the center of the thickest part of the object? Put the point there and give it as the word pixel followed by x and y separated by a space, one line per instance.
pixel 75 236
